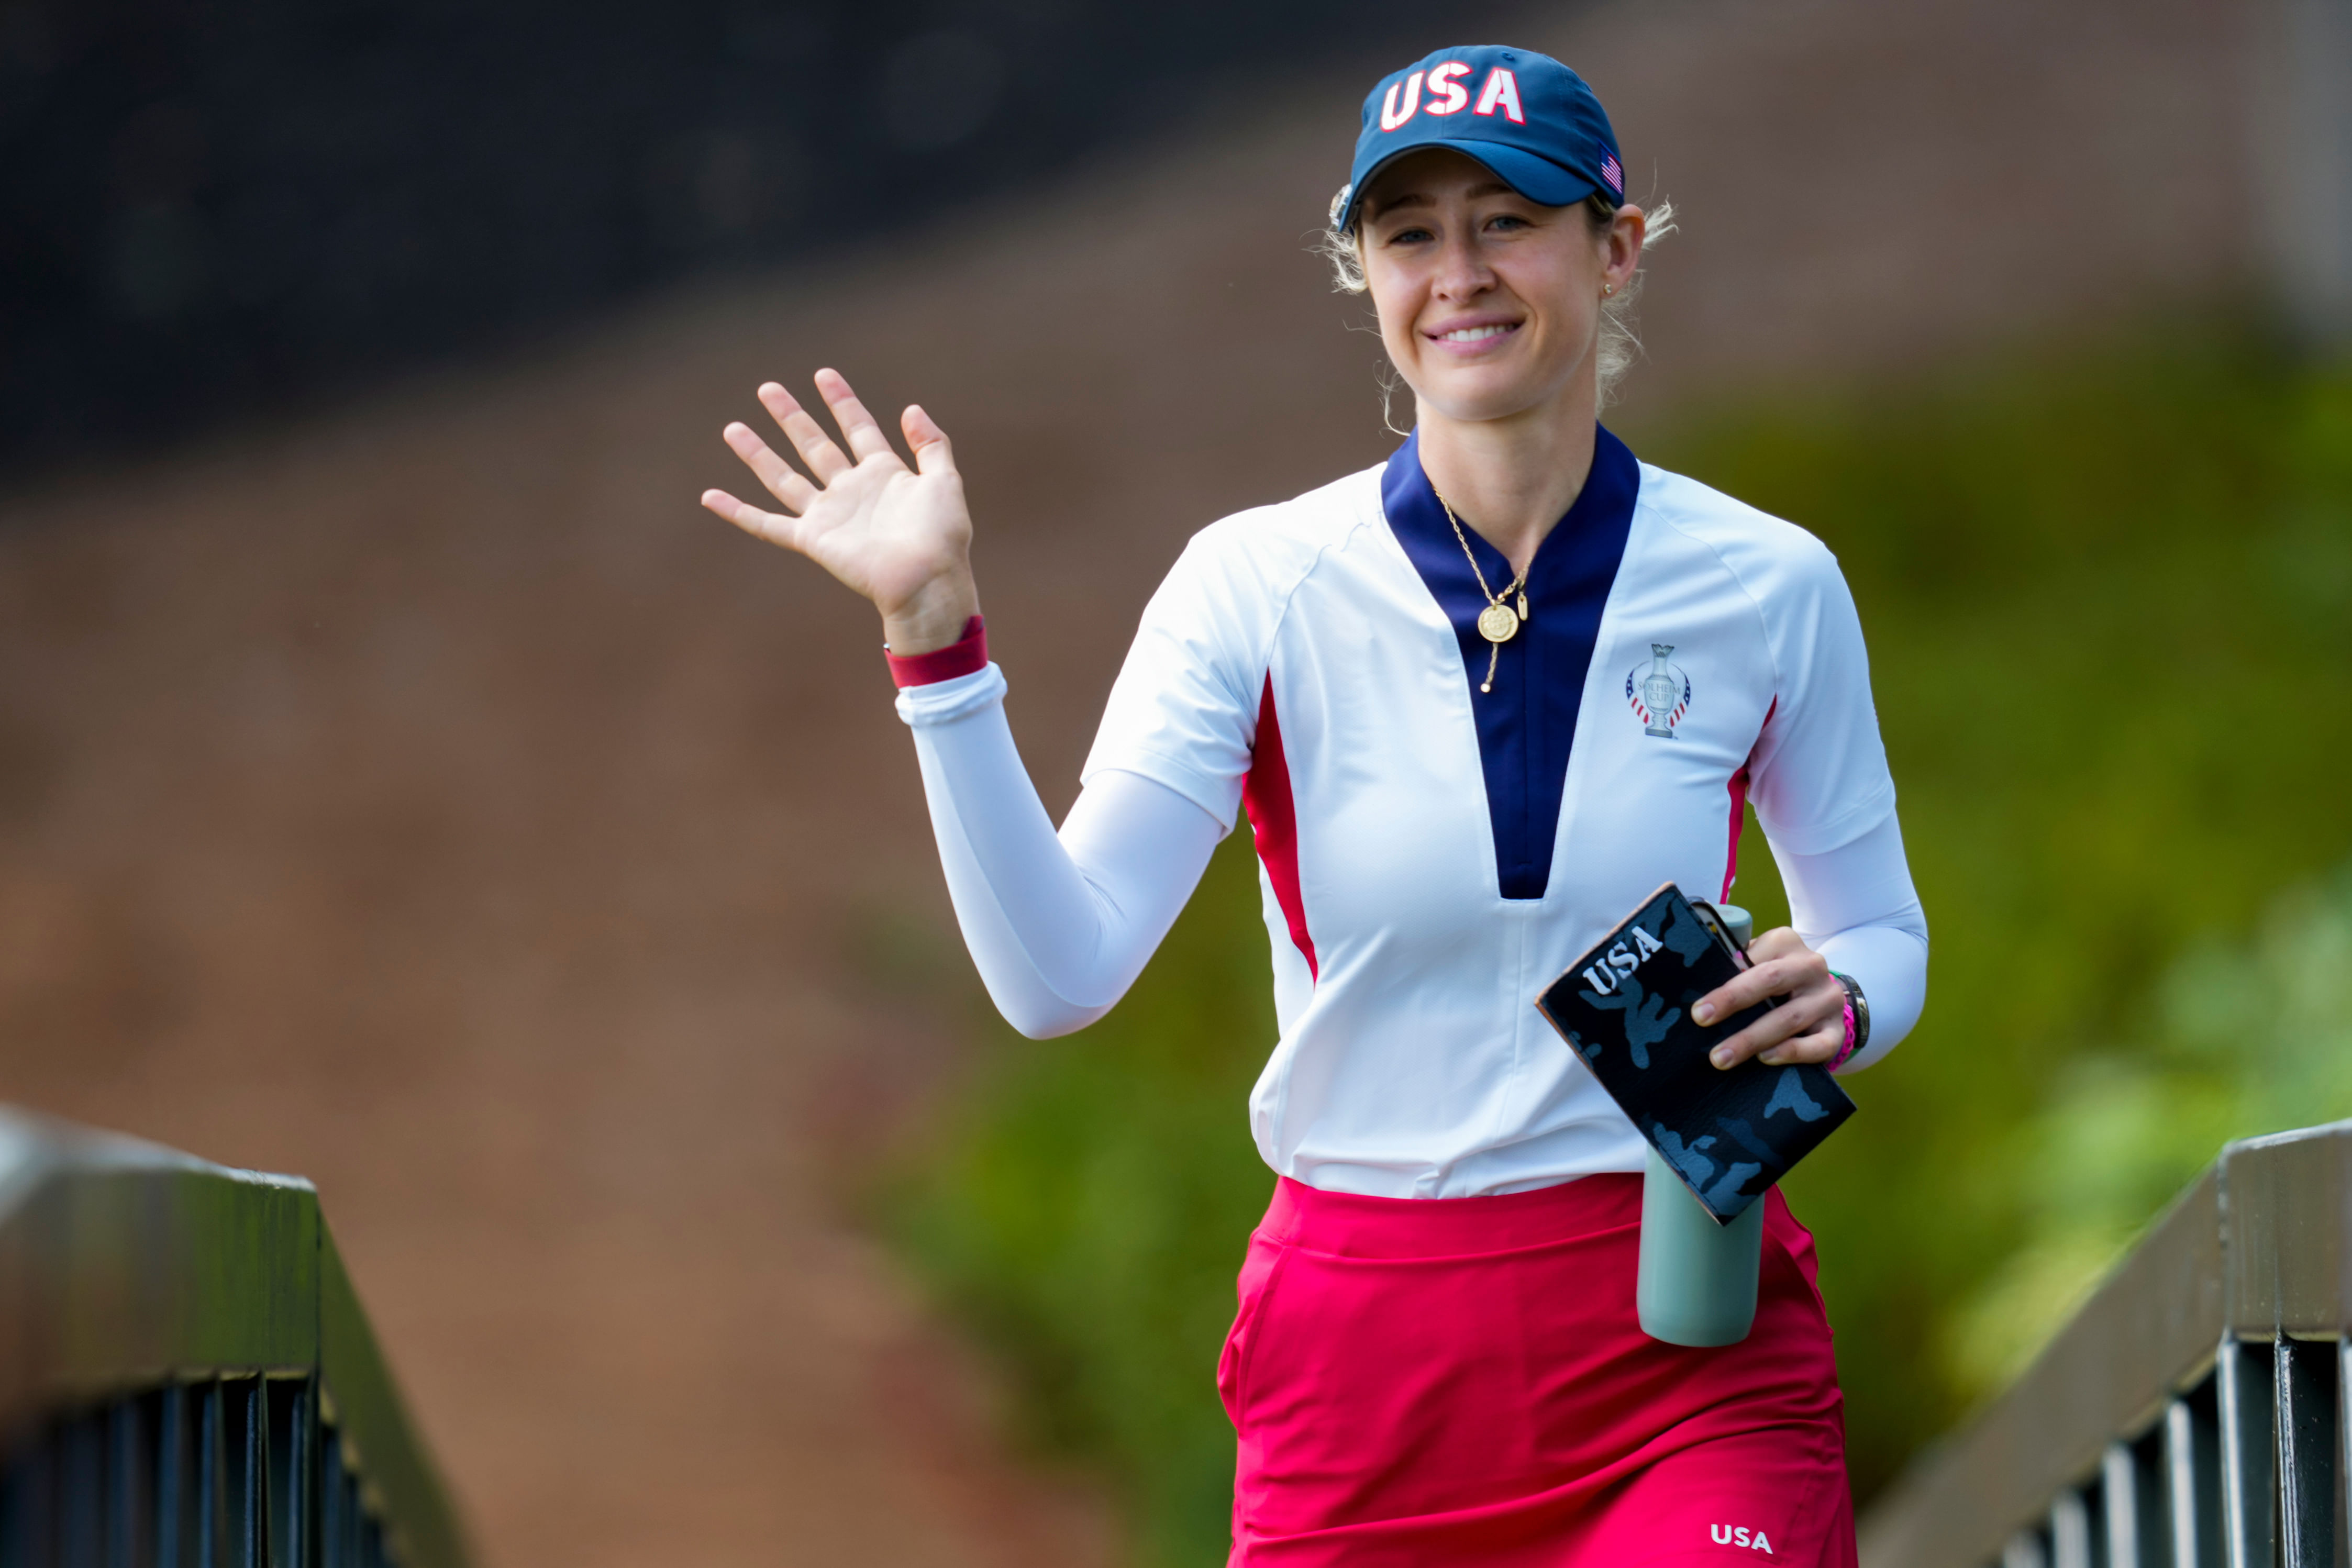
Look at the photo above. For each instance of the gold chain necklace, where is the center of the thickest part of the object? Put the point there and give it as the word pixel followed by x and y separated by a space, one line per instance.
pixel 1498 622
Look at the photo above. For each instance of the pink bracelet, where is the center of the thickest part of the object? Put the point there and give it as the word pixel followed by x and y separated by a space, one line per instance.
pixel 964 657
pixel 1849 1035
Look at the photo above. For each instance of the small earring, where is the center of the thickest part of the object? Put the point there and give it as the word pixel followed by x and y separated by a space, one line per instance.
pixel 1607 290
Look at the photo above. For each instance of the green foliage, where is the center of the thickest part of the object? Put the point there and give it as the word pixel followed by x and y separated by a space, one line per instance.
pixel 2251 1037
pixel 2109 603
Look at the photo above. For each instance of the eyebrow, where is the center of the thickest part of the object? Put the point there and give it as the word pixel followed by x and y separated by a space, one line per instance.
pixel 1422 199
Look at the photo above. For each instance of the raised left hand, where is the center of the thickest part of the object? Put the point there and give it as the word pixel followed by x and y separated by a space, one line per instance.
pixel 1810 1023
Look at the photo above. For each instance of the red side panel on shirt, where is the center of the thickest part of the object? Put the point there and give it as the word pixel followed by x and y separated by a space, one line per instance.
pixel 1738 821
pixel 1274 823
pixel 965 658
pixel 1739 817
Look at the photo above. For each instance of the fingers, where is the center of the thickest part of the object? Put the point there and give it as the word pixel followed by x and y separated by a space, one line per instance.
pixel 784 481
pixel 929 443
pixel 1776 978
pixel 1807 1026
pixel 824 459
pixel 1780 942
pixel 1797 1031
pixel 864 436
pixel 768 526
pixel 1819 1045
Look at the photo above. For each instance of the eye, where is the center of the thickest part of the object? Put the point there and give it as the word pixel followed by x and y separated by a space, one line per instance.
pixel 1507 221
pixel 1415 235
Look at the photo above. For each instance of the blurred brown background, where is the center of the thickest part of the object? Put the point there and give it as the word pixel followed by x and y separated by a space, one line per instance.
pixel 423 796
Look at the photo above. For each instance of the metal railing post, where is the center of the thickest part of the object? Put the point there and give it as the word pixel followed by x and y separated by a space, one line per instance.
pixel 214 1516
pixel 334 1550
pixel 293 1446
pixel 2306 1452
pixel 2248 1454
pixel 82 1495
pixel 2070 1532
pixel 2343 1429
pixel 173 1476
pixel 2193 1484
pixel 2131 1484
pixel 125 1492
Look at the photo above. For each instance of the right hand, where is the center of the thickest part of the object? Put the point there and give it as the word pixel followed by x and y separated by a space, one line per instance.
pixel 900 536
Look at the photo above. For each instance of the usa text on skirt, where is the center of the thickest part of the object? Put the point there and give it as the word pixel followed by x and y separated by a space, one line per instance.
pixel 1461 1382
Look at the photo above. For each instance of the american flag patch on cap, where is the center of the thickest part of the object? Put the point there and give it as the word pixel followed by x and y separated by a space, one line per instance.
pixel 1611 172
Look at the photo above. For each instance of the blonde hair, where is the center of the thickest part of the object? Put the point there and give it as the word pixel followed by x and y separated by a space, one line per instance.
pixel 1619 344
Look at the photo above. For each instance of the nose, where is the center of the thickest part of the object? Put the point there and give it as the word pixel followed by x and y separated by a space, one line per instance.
pixel 1462 269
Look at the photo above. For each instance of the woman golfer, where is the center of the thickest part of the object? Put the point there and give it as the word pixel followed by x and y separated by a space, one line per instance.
pixel 1478 702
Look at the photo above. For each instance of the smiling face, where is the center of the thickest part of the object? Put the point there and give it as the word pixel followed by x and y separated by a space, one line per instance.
pixel 1489 303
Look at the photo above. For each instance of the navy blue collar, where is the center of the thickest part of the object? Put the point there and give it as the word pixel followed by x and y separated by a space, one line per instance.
pixel 1527 725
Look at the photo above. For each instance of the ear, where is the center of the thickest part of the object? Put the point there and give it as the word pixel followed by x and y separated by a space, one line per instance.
pixel 1626 233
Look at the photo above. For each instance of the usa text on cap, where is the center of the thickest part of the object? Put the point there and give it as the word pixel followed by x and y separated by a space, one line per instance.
pixel 1525 116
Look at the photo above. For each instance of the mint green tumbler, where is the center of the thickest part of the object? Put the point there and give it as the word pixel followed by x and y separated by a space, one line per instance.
pixel 1697 1278
pixel 1697 1283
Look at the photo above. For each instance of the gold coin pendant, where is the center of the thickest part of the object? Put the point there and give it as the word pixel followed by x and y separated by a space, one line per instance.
pixel 1498 623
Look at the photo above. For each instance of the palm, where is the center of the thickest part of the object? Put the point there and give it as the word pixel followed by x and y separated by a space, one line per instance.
pixel 884 529
pixel 893 533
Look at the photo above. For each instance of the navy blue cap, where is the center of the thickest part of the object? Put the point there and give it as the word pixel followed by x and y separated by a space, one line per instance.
pixel 1524 115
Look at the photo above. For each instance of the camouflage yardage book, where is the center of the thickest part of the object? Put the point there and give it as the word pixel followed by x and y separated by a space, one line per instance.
pixel 1625 1007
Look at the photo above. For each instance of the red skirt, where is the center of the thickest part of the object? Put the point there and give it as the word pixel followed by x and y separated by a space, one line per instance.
pixel 1462 1382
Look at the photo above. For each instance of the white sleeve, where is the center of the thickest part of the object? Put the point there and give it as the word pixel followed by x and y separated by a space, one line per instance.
pixel 1185 710
pixel 1059 924
pixel 1856 907
pixel 1818 774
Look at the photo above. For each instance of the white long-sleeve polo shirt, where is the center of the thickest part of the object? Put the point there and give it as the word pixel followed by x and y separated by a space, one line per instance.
pixel 1434 854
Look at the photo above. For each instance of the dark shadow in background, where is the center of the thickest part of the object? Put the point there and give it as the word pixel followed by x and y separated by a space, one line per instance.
pixel 212 208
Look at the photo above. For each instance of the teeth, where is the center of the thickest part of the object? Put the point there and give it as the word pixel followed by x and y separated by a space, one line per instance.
pixel 1473 334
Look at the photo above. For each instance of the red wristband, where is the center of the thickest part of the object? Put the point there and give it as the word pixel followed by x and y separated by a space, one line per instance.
pixel 964 657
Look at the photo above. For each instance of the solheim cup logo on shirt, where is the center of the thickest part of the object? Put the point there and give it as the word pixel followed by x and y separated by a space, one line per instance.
pixel 1661 694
